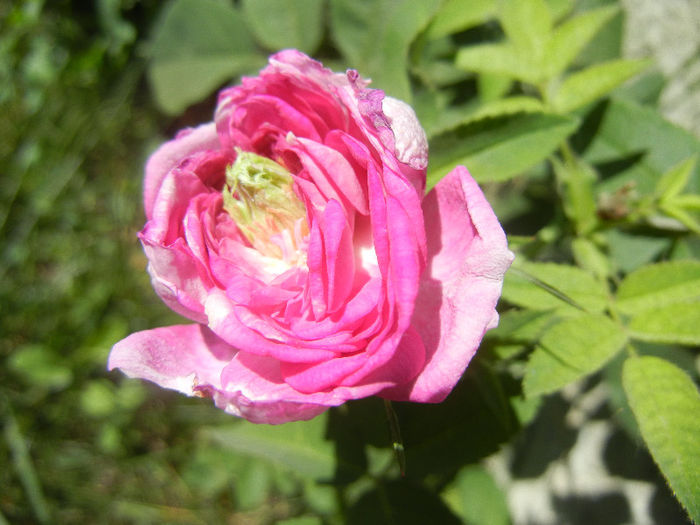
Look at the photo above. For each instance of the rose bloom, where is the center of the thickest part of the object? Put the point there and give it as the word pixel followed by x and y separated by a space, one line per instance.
pixel 293 230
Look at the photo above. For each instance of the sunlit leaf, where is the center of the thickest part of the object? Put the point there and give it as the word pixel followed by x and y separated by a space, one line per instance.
pixel 571 282
pixel 571 350
pixel 666 405
pixel 677 323
pixel 499 59
pixel 672 182
pixel 594 82
pixel 658 285
pixel 571 37
pixel 498 148
pixel 528 24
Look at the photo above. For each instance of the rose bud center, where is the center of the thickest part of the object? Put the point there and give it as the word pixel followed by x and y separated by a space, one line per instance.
pixel 259 197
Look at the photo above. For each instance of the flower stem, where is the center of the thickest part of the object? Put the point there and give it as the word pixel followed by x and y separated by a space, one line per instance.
pixel 395 430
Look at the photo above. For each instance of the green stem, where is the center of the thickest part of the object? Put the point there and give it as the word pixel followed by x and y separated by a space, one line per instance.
pixel 395 430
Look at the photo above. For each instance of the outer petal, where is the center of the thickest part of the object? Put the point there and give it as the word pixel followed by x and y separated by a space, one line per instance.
pixel 179 357
pixel 170 154
pixel 467 258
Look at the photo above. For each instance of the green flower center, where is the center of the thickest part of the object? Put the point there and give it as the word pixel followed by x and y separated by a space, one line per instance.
pixel 258 195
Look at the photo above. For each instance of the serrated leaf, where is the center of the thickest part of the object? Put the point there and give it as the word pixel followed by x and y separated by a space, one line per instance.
pixel 457 15
pixel 666 405
pixel 528 24
pixel 574 283
pixel 521 326
pixel 659 285
pixel 570 350
pixel 498 149
pixel 594 82
pixel 571 37
pixel 299 446
pixel 677 323
pixel 672 182
pixel 498 59
pixel 279 24
pixel 197 45
pixel 374 36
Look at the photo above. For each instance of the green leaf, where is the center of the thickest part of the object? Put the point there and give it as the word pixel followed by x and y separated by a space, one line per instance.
pixel 279 24
pixel 521 325
pixel 622 128
pixel 666 405
pixel 374 37
pixel 590 257
pixel 570 350
pixel 594 82
pixel 672 182
pixel 476 498
pixel 197 45
pixel 674 211
pixel 687 201
pixel 499 148
pixel 498 59
pixel 677 323
pixel 571 37
pixel 528 24
pixel 574 283
pixel 457 15
pixel 299 446
pixel 659 285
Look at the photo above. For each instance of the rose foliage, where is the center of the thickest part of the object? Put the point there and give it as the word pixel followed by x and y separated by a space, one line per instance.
pixel 293 230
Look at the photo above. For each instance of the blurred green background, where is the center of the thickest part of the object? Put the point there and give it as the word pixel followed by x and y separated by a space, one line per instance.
pixel 88 90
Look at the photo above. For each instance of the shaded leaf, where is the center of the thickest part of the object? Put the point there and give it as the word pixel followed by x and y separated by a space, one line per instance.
pixel 658 285
pixel 571 350
pixel 594 82
pixel 677 323
pixel 279 24
pixel 615 129
pixel 499 148
pixel 457 15
pixel 476 498
pixel 400 501
pixel 299 446
pixel 439 439
pixel 196 46
pixel 666 405
pixel 374 36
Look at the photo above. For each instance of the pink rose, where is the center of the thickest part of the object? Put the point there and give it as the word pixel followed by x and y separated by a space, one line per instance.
pixel 294 233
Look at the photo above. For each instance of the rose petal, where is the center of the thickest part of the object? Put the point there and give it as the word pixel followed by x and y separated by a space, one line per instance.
pixel 467 257
pixel 170 154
